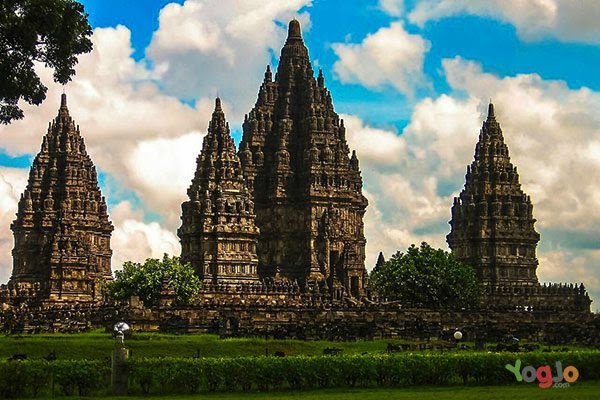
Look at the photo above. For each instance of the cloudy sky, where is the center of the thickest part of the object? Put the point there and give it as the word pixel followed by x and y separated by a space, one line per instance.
pixel 412 80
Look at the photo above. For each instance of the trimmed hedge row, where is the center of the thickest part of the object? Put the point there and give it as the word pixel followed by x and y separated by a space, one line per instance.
pixel 171 375
pixel 31 378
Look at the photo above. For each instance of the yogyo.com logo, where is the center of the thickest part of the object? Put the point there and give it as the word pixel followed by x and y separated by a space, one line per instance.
pixel 544 374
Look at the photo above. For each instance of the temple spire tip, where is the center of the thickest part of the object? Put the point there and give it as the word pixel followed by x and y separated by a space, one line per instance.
pixel 294 31
pixel 491 114
pixel 268 74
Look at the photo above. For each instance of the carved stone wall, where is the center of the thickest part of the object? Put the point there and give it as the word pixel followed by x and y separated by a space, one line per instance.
pixel 293 315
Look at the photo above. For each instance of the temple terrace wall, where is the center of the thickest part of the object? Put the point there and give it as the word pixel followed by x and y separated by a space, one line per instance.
pixel 331 322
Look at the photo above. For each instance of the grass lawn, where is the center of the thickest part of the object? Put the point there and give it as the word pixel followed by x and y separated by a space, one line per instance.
pixel 98 345
pixel 578 391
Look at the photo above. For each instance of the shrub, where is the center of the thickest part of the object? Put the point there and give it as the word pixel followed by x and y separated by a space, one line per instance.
pixel 23 378
pixel 303 372
pixel 80 377
pixel 31 378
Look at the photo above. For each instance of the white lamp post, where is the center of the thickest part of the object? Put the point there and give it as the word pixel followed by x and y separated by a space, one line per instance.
pixel 120 376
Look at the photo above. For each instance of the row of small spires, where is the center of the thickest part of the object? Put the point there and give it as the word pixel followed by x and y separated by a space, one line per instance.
pixel 265 285
pixel 267 91
pixel 74 203
pixel 506 169
pixel 470 199
pixel 551 288
pixel 484 149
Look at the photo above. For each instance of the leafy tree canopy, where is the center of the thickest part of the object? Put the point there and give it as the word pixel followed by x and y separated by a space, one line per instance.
pixel 146 280
pixel 426 277
pixel 52 32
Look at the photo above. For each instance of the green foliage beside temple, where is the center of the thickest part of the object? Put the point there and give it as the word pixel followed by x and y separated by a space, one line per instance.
pixel 427 277
pixel 154 276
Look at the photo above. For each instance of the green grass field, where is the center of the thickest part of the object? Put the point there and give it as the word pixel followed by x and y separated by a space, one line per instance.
pixel 98 345
pixel 579 391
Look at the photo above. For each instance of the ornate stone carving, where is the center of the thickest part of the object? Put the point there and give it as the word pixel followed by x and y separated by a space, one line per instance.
pixel 484 223
pixel 220 241
pixel 62 237
pixel 306 170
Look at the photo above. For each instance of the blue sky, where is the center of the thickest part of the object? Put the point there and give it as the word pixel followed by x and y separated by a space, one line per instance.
pixel 411 78
pixel 493 43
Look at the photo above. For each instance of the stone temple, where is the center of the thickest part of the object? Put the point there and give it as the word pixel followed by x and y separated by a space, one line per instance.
pixel 492 219
pixel 62 232
pixel 275 231
pixel 305 188
pixel 492 229
pixel 218 232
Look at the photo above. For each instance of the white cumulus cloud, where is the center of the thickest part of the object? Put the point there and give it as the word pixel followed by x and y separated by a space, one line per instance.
pixel 565 20
pixel 392 7
pixel 12 184
pixel 206 47
pixel 136 240
pixel 410 178
pixel 164 169
pixel 389 57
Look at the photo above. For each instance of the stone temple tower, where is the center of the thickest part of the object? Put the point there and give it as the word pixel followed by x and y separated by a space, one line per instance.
pixel 218 234
pixel 492 226
pixel 306 184
pixel 62 231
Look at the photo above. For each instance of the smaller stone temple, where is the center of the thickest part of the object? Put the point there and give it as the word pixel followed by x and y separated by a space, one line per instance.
pixel 492 219
pixel 218 234
pixel 492 229
pixel 62 231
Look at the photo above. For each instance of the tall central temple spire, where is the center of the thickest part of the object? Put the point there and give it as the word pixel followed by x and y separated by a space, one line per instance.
pixel 307 187
pixel 492 219
pixel 62 232
pixel 294 53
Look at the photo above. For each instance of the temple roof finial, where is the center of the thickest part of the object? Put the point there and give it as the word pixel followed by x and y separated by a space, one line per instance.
pixel 491 114
pixel 63 111
pixel 218 104
pixel 380 260
pixel 294 31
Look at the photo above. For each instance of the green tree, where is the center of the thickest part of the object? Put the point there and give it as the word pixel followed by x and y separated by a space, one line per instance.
pixel 51 32
pixel 427 277
pixel 146 280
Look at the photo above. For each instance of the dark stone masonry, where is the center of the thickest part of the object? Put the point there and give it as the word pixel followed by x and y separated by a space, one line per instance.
pixel 62 232
pixel 275 231
pixel 492 219
pixel 218 232
pixel 306 184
